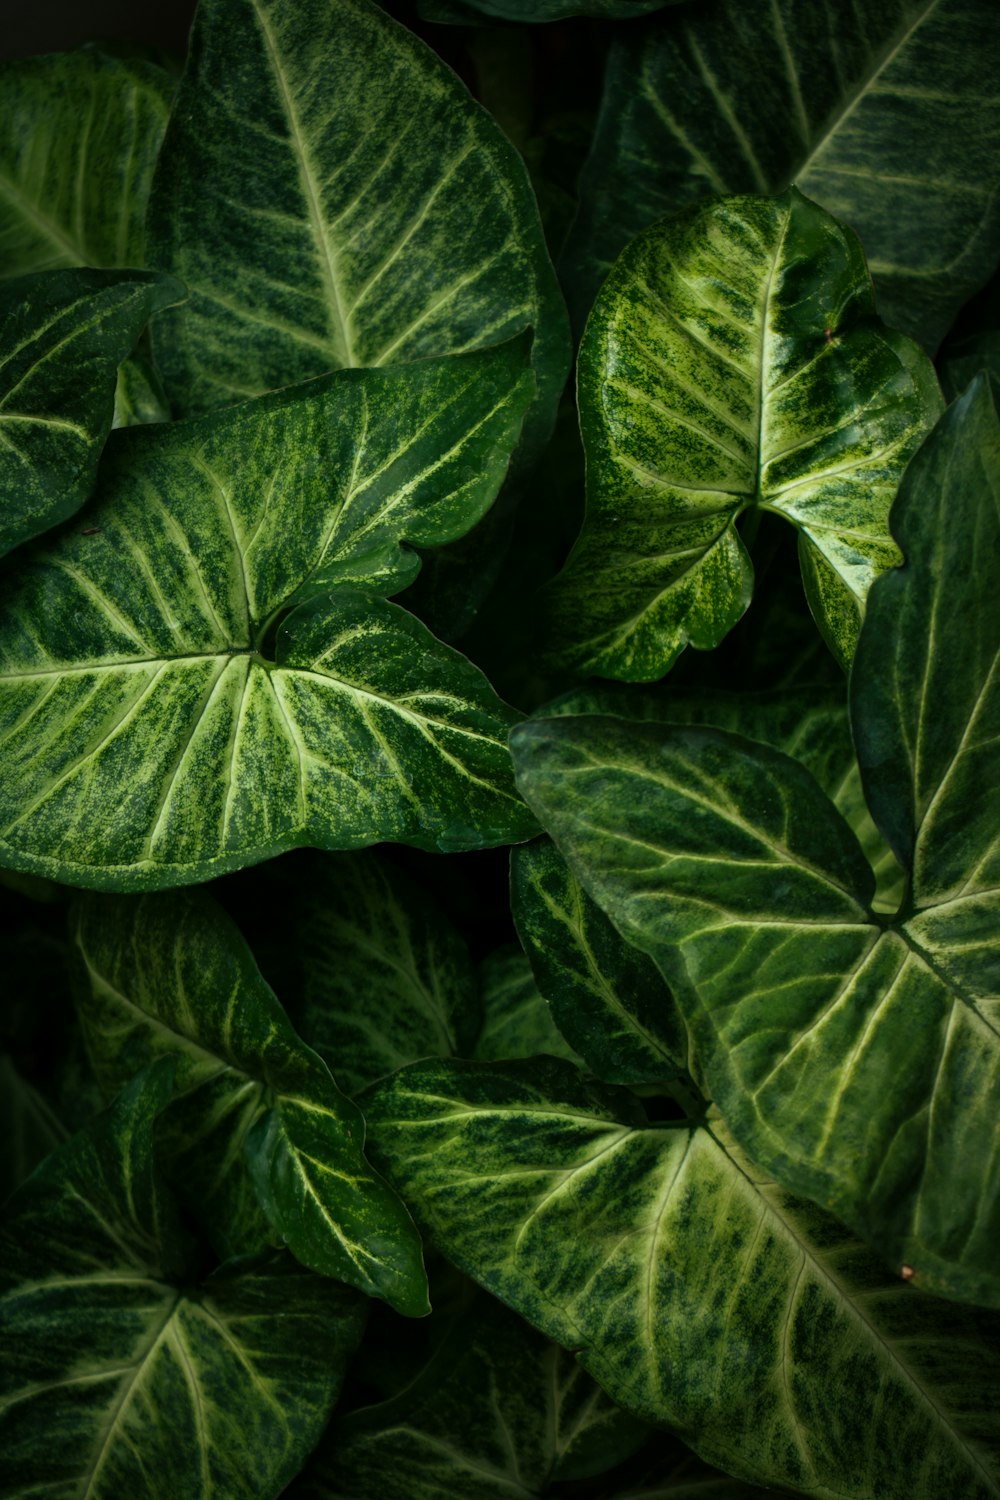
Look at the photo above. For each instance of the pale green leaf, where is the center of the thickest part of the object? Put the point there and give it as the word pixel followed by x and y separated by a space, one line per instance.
pixel 889 116
pixel 497 1413
pixel 124 1373
pixel 169 975
pixel 695 1291
pixel 159 725
pixel 733 364
pixel 517 1021
pixel 63 335
pixel 386 977
pixel 79 133
pixel 333 197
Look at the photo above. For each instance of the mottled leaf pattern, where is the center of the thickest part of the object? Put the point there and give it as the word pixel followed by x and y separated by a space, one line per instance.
pixel 677 1272
pixel 120 1372
pixel 154 726
pixel 887 112
pixel 169 975
pixel 332 196
pixel 62 337
pixel 517 1021
pixel 79 133
pixel 732 362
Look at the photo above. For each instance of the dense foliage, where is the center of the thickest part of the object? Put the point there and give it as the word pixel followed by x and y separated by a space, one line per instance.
pixel 624 1125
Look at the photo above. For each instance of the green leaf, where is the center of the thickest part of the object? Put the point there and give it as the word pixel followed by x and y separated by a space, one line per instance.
pixel 694 1291
pixel 733 363
pixel 333 197
pixel 158 729
pixel 966 358
pixel 890 121
pixel 79 133
pixel 727 864
pixel 517 1021
pixel 497 1413
pixel 63 335
pixel 170 975
pixel 121 1373
pixel 608 999
pixel 465 12
pixel 29 1128
pixel 386 978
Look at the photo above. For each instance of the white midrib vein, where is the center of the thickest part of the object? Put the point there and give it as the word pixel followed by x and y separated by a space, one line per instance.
pixel 307 177
pixel 843 113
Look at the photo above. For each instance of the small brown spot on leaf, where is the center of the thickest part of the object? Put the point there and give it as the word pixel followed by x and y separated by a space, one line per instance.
pixel 90 531
pixel 907 1273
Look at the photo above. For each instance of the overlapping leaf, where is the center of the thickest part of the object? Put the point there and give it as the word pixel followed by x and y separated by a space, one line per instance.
pixel 696 1292
pixel 386 978
pixel 854 1057
pixel 62 337
pixel 29 1128
pixel 169 975
pixel 79 133
pixel 333 197
pixel 517 1021
pixel 733 363
pixel 498 1412
pixel 160 718
pixel 890 120
pixel 120 1372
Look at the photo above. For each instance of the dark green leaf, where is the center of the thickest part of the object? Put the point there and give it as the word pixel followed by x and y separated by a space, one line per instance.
pixel 888 117
pixel 120 1373
pixel 169 975
pixel 966 358
pixel 608 999
pixel 386 978
pixel 517 1022
pixel 496 1414
pixel 733 363
pixel 696 1292
pixel 63 335
pixel 79 133
pixel 29 1128
pixel 464 12
pixel 332 196
pixel 155 733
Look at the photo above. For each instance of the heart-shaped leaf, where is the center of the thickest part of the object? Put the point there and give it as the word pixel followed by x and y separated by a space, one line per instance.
pixel 63 335
pixel 497 1413
pixel 386 978
pixel 333 197
pixel 170 975
pixel 733 364
pixel 121 1373
pixel 856 1057
pixel 79 133
pixel 157 730
pixel 891 122
pixel 695 1292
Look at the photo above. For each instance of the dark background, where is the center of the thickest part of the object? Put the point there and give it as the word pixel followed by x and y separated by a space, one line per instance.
pixel 28 26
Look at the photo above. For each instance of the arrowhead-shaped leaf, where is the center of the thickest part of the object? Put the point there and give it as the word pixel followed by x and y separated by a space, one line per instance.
pixel 63 335
pixel 170 975
pixel 332 196
pixel 120 1373
pixel 891 122
pixel 695 1291
pixel 856 1057
pixel 154 731
pixel 733 363
pixel 497 1413
pixel 386 978
pixel 79 133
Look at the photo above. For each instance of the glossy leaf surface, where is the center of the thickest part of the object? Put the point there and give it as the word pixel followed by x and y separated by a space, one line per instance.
pixel 170 976
pixel 497 1413
pixel 153 734
pixel 733 363
pixel 517 1021
pixel 332 197
pixel 891 121
pixel 121 1373
pixel 79 133
pixel 386 978
pixel 62 337
pixel 678 1272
